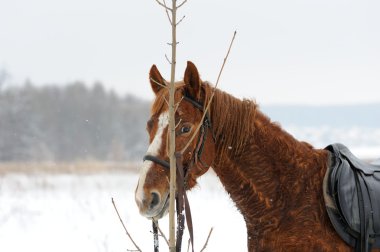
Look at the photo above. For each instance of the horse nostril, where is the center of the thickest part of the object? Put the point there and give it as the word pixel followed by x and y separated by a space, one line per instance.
pixel 155 200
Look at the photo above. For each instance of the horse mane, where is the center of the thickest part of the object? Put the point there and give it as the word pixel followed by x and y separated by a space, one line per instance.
pixel 232 115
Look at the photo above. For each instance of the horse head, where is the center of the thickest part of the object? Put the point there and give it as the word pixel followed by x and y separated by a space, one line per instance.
pixel 152 192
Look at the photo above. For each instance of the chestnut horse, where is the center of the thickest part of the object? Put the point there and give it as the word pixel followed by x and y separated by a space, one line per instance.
pixel 274 179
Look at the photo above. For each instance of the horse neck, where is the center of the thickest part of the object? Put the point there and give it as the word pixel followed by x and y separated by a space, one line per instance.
pixel 269 169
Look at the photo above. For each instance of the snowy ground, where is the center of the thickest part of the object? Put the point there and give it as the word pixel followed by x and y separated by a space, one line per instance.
pixel 49 210
pixel 68 212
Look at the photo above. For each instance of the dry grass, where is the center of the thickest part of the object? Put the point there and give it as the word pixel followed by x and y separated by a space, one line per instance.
pixel 81 167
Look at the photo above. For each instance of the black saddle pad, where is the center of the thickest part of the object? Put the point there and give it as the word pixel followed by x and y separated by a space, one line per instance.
pixel 354 189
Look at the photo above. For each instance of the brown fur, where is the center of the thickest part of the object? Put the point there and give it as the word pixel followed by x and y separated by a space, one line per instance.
pixel 274 179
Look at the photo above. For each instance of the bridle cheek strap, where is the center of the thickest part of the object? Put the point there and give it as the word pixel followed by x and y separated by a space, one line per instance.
pixel 200 144
pixel 182 200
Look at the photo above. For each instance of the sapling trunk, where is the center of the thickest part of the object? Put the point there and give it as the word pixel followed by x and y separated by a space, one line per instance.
pixel 172 242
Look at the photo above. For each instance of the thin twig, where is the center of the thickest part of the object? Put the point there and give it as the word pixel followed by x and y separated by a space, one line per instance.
pixel 224 61
pixel 164 5
pixel 167 58
pixel 179 6
pixel 177 104
pixel 170 44
pixel 167 13
pixel 126 231
pixel 179 122
pixel 208 238
pixel 166 101
pixel 162 85
pixel 180 20
pixel 162 234
pixel 212 96
pixel 188 245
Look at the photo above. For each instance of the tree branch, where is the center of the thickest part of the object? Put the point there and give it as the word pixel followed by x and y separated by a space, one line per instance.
pixel 171 44
pixel 126 231
pixel 162 85
pixel 224 61
pixel 164 6
pixel 162 234
pixel 180 20
pixel 180 120
pixel 167 12
pixel 166 101
pixel 179 6
pixel 188 245
pixel 211 98
pixel 208 238
pixel 167 58
pixel 177 104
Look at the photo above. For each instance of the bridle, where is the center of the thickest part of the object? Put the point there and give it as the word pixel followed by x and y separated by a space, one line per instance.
pixel 181 198
pixel 200 143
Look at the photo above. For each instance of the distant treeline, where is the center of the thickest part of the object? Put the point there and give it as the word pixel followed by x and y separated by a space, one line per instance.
pixel 69 123
pixel 77 122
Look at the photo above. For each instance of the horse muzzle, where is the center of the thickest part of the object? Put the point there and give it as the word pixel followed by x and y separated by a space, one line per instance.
pixel 153 205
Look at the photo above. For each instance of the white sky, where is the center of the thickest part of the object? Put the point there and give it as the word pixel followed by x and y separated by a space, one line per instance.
pixel 295 51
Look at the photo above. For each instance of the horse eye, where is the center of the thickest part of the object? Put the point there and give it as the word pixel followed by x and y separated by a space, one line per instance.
pixel 185 129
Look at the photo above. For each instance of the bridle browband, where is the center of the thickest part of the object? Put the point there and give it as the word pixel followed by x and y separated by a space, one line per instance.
pixel 201 139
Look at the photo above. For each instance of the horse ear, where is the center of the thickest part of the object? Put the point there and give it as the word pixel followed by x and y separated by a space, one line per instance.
pixel 192 81
pixel 156 80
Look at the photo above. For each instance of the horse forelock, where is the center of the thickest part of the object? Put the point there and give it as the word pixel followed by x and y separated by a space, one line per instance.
pixel 162 98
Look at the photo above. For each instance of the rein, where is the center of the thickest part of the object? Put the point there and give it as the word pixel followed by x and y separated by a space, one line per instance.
pixel 181 197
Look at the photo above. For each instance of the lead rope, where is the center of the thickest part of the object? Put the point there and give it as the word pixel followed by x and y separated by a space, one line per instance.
pixel 155 235
pixel 179 203
pixel 180 225
pixel 182 203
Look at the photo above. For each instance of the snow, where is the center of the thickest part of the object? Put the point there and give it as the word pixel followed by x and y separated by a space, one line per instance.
pixel 41 211
pixel 68 212
pixel 363 142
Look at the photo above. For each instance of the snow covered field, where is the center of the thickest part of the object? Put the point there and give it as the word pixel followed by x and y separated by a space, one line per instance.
pixel 70 212
pixel 50 210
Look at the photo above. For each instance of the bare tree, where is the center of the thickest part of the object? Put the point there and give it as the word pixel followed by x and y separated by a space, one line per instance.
pixel 171 13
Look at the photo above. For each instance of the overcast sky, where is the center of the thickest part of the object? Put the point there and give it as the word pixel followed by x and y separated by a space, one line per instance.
pixel 295 51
